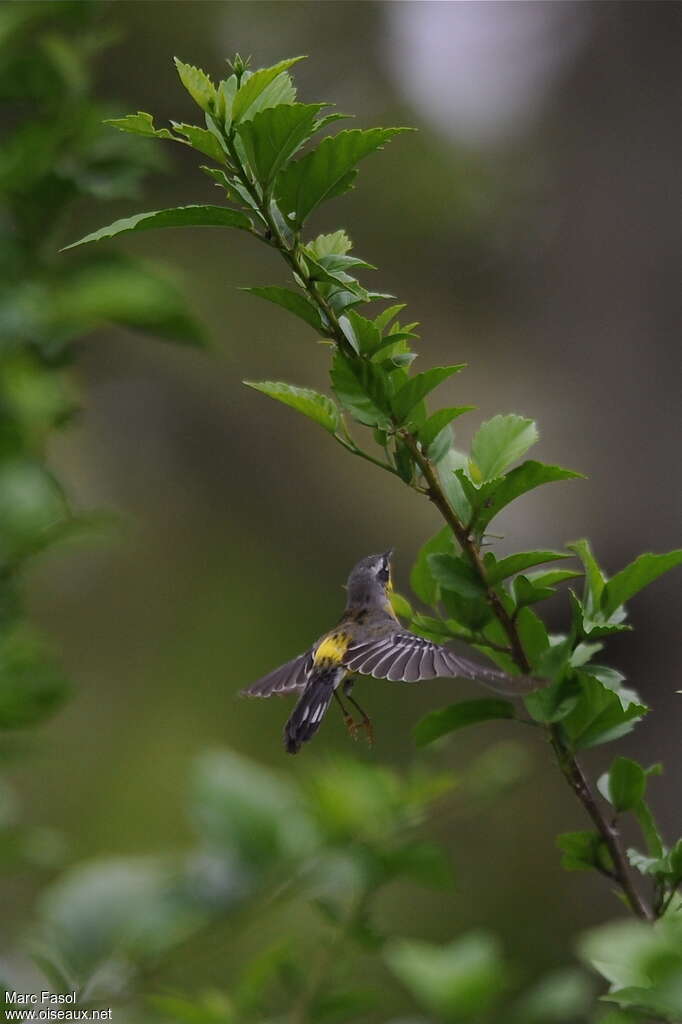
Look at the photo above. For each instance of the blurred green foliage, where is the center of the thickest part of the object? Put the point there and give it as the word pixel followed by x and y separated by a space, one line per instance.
pixel 54 152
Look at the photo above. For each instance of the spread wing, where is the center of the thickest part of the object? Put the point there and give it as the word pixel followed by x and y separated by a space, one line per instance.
pixel 407 658
pixel 291 676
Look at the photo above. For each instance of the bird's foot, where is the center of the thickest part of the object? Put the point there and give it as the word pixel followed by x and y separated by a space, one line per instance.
pixel 366 725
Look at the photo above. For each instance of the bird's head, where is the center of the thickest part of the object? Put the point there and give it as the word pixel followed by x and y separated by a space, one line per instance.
pixel 370 580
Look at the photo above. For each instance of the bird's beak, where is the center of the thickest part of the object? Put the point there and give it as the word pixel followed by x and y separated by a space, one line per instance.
pixel 388 555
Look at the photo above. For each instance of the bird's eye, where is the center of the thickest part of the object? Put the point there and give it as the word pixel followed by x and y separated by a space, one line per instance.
pixel 383 573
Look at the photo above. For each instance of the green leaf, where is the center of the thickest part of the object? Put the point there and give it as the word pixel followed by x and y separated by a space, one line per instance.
pixel 554 702
pixel 325 245
pixel 458 982
pixel 452 573
pixel 625 784
pixel 594 577
pixel 198 84
pixel 583 851
pixel 310 403
pixel 421 578
pixel 552 577
pixel 139 124
pixel 202 140
pixel 629 581
pixel 533 635
pixel 113 288
pixel 457 716
pixel 431 428
pixel 274 135
pixel 245 103
pixel 522 560
pixel 599 717
pixel 526 593
pixel 177 217
pixel 359 386
pixel 293 301
pixel 32 686
pixel 499 442
pixel 524 478
pixel 327 171
pixel 417 387
pixel 563 995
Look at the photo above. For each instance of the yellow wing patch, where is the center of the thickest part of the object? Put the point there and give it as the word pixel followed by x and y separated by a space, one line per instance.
pixel 332 649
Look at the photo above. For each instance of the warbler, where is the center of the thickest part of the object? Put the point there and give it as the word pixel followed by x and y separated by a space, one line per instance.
pixel 369 640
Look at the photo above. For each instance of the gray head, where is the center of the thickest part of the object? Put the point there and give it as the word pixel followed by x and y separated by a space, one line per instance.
pixel 370 581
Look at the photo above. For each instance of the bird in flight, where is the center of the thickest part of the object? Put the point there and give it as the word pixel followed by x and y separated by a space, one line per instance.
pixel 368 640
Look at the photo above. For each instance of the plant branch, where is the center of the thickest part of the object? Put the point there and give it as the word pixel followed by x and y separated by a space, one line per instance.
pixel 570 768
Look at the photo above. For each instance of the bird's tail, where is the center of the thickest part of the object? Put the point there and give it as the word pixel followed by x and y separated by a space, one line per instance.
pixel 306 717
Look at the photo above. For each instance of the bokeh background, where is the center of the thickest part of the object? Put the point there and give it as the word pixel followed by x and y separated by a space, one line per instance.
pixel 533 227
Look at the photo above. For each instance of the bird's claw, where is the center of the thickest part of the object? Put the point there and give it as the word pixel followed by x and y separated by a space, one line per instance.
pixel 355 728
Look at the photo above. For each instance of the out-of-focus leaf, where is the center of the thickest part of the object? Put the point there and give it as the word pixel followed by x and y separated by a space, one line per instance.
pixel 32 685
pixel 116 289
pixel 310 403
pixel 457 716
pixel 583 851
pixel 566 995
pixel 457 982
pixel 499 442
pixel 31 504
pixel 177 217
pixel 243 809
pixel 629 581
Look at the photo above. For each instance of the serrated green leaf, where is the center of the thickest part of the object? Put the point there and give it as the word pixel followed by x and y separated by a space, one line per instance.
pixel 524 478
pixel 533 635
pixel 552 577
pixel 629 581
pixel 452 573
pixel 245 103
pixel 457 716
pixel 139 124
pixel 553 703
pixel 177 217
pixel 336 243
pixel 599 716
pixel 360 387
pixel 526 593
pixel 202 140
pixel 501 441
pixel 421 578
pixel 197 83
pixel 294 302
pixel 522 560
pixel 417 387
pixel 306 401
pixel 326 171
pixel 274 135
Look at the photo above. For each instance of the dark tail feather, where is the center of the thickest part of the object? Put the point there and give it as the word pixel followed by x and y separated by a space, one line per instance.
pixel 307 716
